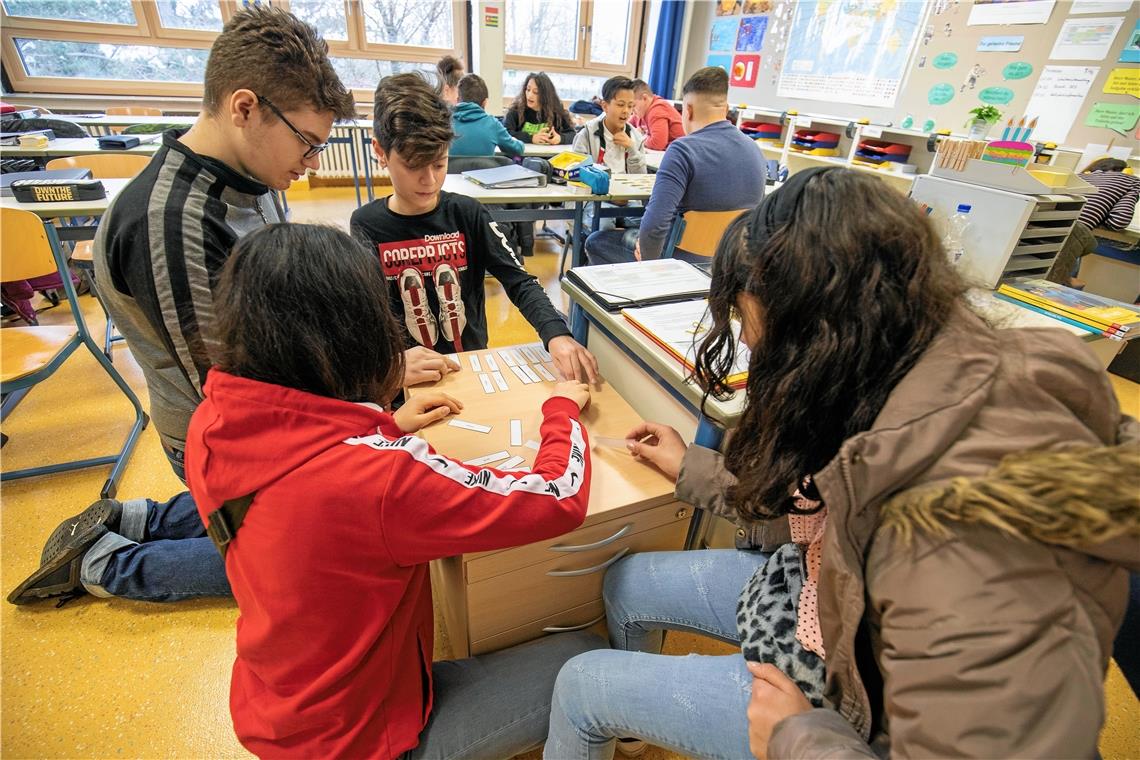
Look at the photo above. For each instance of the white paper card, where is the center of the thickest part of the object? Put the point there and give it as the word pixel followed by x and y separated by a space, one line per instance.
pixel 480 461
pixel 534 378
pixel 485 380
pixel 1022 12
pixel 499 380
pixel 516 432
pixel 546 357
pixel 520 375
pixel 506 356
pixel 1057 99
pixel 470 426
pixel 525 351
pixel 475 366
pixel 531 445
pixel 544 372
pixel 872 131
pixel 1085 39
pixel 1099 6
pixel 512 463
pixel 491 364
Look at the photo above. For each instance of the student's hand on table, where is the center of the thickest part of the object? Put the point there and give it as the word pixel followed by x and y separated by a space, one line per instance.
pixel 623 140
pixel 540 137
pixel 665 448
pixel 553 138
pixel 573 361
pixel 423 409
pixel 637 250
pixel 422 365
pixel 577 392
pixel 774 697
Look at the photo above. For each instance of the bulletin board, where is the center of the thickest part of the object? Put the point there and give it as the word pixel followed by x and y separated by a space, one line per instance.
pixel 1073 63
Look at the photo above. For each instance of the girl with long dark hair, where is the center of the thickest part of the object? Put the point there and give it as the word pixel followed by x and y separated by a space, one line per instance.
pixel 961 503
pixel 537 115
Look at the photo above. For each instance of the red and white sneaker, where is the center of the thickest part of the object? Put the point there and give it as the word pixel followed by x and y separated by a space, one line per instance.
pixel 452 315
pixel 417 313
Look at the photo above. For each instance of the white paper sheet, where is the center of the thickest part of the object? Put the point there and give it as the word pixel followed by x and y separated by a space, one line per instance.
pixel 500 381
pixel 984 12
pixel 530 373
pixel 489 360
pixel 470 426
pixel 512 463
pixel 1099 6
pixel 1057 99
pixel 496 457
pixel 544 372
pixel 485 381
pixel 1085 39
pixel 516 432
pixel 475 366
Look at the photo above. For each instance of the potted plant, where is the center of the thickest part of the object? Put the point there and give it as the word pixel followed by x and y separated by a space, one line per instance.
pixel 981 121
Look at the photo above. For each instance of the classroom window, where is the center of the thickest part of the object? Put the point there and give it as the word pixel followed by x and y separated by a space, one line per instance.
pixel 366 73
pixel 89 11
pixel 417 23
pixel 202 15
pixel 542 28
pixel 570 86
pixel 327 16
pixel 92 60
pixel 579 43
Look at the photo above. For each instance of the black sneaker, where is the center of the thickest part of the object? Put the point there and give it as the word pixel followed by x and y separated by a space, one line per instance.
pixel 62 557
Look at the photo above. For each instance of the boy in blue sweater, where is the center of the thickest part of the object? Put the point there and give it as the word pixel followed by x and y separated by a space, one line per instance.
pixel 715 167
pixel 477 133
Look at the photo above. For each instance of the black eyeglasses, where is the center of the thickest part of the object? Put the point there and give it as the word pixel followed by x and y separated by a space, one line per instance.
pixel 315 149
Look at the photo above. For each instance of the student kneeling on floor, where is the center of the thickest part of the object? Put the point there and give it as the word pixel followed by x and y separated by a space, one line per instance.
pixel 329 566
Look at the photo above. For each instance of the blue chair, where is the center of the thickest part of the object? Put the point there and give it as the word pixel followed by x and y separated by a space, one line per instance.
pixel 29 247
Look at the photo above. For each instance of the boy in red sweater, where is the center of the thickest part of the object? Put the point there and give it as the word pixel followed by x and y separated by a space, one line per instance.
pixel 656 117
pixel 330 565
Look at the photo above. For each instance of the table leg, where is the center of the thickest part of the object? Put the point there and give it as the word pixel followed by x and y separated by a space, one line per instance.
pixel 579 257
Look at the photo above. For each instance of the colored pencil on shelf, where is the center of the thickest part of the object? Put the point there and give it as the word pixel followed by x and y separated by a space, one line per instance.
pixel 1029 131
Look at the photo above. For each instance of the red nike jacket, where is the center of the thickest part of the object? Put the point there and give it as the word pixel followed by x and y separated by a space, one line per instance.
pixel 330 567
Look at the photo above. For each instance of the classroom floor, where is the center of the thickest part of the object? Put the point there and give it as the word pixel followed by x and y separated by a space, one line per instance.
pixel 112 678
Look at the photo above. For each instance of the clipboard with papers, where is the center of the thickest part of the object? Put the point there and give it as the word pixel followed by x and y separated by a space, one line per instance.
pixel 641 283
pixel 509 176
pixel 680 328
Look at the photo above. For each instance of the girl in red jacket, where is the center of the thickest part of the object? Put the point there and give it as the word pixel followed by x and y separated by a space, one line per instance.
pixel 330 565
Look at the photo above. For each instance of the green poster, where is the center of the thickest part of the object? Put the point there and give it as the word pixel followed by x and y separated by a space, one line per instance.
pixel 1119 117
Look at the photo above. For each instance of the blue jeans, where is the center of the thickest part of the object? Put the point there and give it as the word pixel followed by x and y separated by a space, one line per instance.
pixel 693 705
pixel 161 554
pixel 610 246
pixel 496 705
pixel 1126 650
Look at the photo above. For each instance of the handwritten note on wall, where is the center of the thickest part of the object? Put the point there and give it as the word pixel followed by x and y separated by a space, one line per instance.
pixel 1057 99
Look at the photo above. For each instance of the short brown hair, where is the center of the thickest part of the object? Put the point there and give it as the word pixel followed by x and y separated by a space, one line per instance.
pixel 411 119
pixel 641 87
pixel 472 89
pixel 711 80
pixel 272 53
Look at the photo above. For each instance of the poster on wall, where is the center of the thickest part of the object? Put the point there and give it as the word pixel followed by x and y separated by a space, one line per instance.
pixel 727 7
pixel 1057 99
pixel 849 52
pixel 1131 51
pixel 723 34
pixel 985 12
pixel 721 61
pixel 1119 117
pixel 745 69
pixel 1085 39
pixel 751 36
pixel 1099 6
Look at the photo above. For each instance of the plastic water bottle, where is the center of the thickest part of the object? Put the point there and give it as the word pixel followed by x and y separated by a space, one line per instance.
pixel 957 229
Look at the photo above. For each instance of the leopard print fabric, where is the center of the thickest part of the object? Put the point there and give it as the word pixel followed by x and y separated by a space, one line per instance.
pixel 766 621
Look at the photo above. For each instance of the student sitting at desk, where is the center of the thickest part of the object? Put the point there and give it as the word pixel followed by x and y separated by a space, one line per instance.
pixel 436 247
pixel 715 168
pixel 609 139
pixel 1112 206
pixel 655 116
pixel 329 565
pixel 961 499
pixel 538 116
pixel 478 133
pixel 448 72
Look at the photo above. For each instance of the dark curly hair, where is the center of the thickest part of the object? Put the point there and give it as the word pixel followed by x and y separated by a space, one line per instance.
pixel 411 119
pixel 853 285
pixel 550 108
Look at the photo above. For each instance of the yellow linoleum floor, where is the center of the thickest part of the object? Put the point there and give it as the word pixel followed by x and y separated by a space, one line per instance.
pixel 117 679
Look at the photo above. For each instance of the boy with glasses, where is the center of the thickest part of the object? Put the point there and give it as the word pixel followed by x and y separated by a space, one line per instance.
pixel 270 99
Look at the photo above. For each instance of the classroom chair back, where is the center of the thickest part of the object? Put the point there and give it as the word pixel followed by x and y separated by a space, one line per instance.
pixel 30 248
pixel 104 165
pixel 698 232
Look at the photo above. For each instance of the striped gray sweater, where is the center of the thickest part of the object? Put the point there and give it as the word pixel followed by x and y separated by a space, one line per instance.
pixel 158 252
pixel 1113 203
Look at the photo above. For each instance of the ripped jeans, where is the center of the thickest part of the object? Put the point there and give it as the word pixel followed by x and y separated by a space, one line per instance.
pixel 693 705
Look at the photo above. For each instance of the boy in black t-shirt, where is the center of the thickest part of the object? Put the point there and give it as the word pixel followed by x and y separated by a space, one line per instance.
pixel 436 247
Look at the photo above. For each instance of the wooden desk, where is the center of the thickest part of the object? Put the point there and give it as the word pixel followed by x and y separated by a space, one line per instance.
pixel 496 599
pixel 79 146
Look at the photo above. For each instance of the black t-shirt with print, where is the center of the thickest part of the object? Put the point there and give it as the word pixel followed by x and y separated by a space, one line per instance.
pixel 443 256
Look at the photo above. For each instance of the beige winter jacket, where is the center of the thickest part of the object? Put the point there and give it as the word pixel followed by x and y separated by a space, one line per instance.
pixel 970 592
